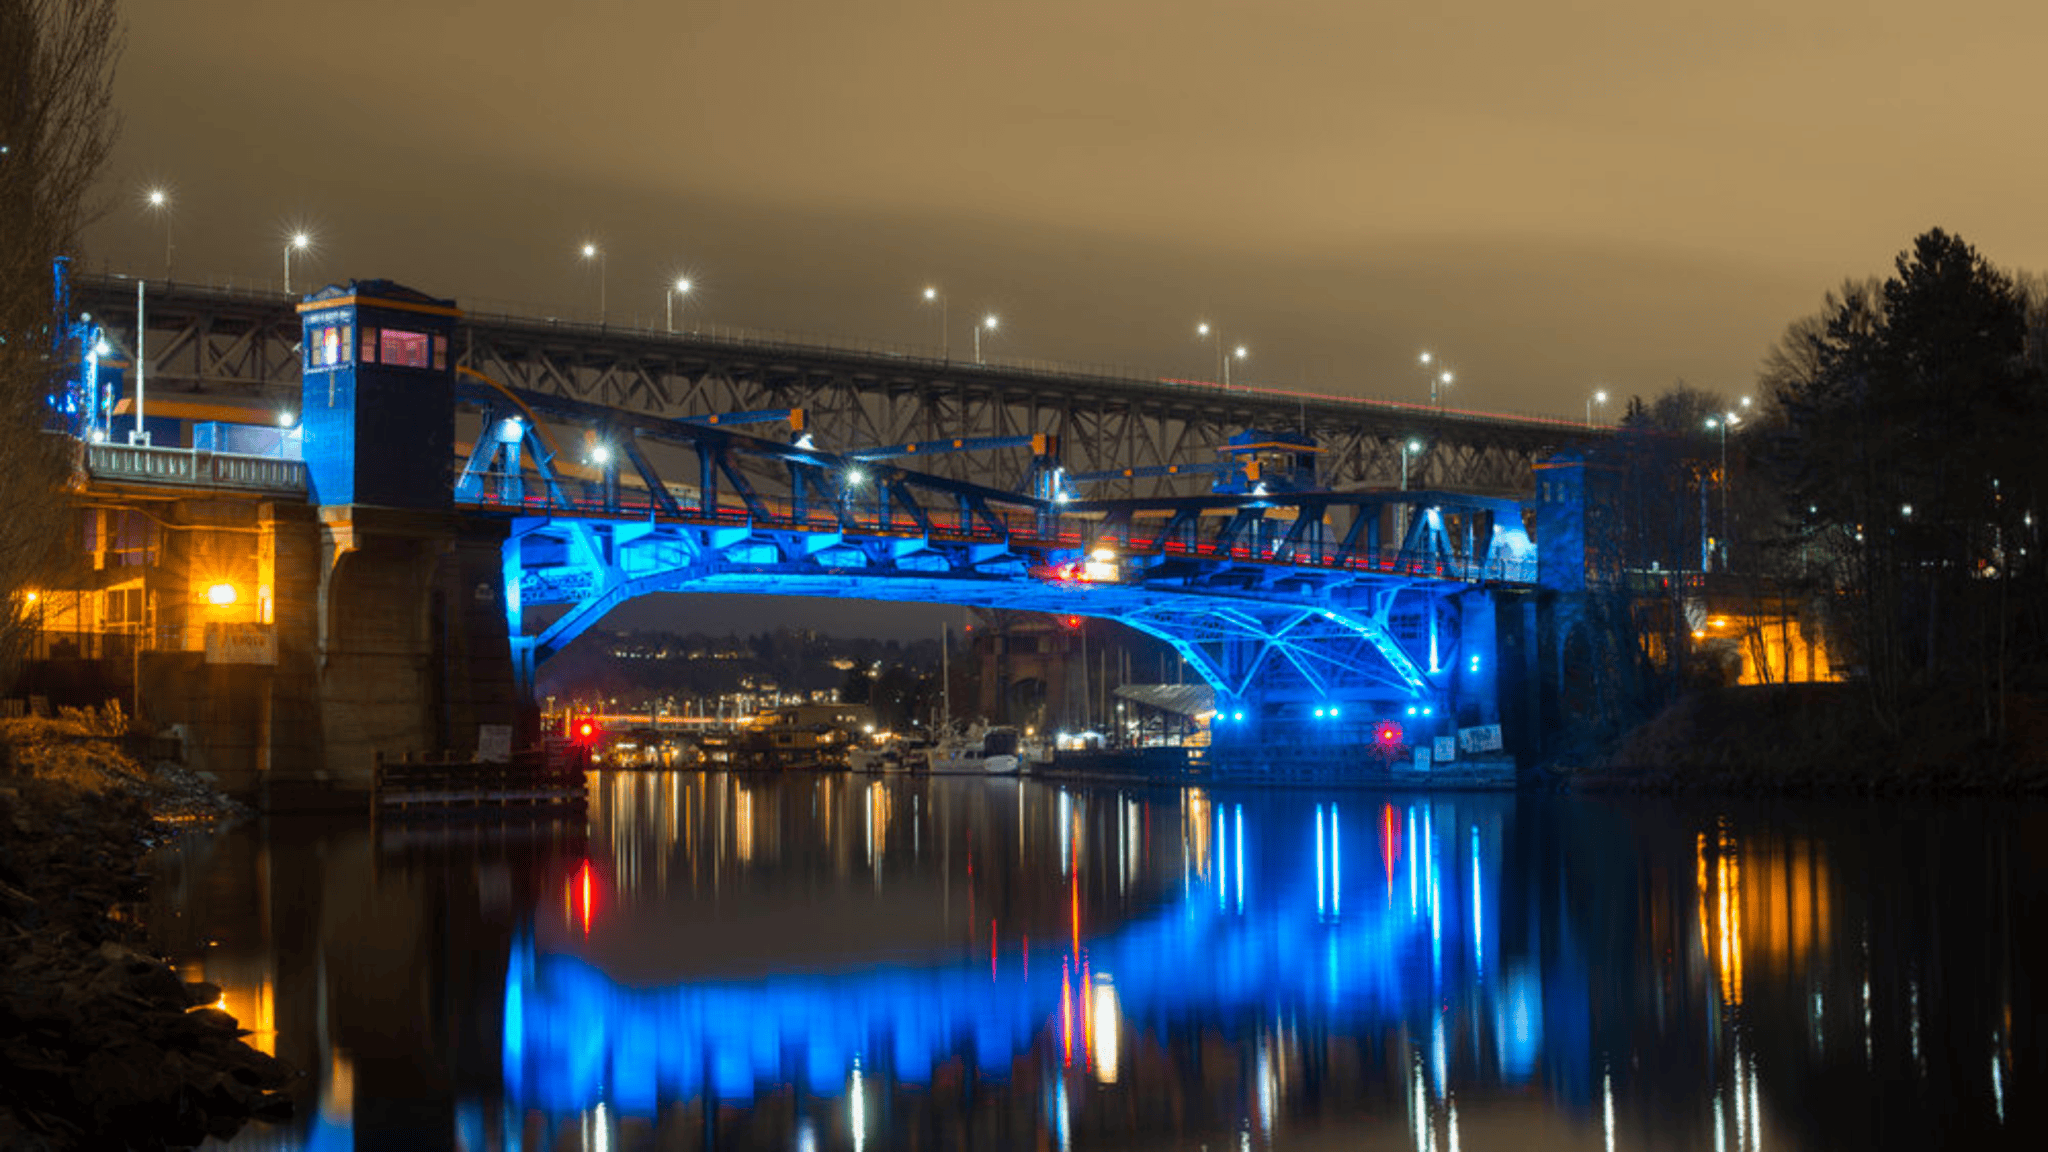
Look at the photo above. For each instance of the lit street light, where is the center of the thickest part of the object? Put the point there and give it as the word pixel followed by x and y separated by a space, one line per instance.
pixel 1412 447
pixel 1599 398
pixel 1723 422
pixel 299 242
pixel 593 252
pixel 988 324
pixel 1409 447
pixel 1215 336
pixel 159 202
pixel 1441 378
pixel 680 288
pixel 934 296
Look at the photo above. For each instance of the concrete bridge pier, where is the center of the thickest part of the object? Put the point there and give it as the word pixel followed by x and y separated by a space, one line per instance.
pixel 409 651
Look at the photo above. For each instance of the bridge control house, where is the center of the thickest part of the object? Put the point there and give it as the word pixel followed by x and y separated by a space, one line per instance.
pixel 290 613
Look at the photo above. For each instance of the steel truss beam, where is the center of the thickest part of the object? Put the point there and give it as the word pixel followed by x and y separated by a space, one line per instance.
pixel 223 340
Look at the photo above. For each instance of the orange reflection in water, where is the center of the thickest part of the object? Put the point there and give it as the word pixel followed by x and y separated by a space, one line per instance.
pixel 1762 903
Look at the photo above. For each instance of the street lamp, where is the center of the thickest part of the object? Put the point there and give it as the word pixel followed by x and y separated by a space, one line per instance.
pixel 1722 422
pixel 988 324
pixel 1409 447
pixel 1440 378
pixel 593 252
pixel 299 242
pixel 159 202
pixel 680 288
pixel 1215 336
pixel 934 296
pixel 1599 398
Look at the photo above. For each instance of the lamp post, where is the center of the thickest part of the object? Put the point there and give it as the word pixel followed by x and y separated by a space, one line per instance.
pixel 593 252
pixel 1722 422
pixel 988 324
pixel 1214 335
pixel 159 202
pixel 1440 377
pixel 680 288
pixel 1599 398
pixel 1411 446
pixel 299 242
pixel 934 296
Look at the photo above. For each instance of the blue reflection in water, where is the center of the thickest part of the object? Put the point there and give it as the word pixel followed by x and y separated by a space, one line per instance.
pixel 573 1037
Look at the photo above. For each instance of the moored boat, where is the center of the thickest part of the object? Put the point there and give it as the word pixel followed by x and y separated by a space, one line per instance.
pixel 985 751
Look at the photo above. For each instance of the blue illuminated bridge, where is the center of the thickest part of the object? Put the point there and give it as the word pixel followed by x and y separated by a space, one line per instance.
pixel 1318 615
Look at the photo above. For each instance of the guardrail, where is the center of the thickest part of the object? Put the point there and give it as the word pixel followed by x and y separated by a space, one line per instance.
pixel 188 468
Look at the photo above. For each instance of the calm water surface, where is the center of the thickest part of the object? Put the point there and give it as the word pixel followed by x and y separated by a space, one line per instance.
pixel 822 962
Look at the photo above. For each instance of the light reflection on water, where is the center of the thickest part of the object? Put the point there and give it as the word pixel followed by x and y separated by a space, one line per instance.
pixel 821 961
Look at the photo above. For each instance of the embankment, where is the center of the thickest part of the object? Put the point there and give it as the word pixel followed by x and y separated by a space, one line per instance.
pixel 1811 739
pixel 101 1044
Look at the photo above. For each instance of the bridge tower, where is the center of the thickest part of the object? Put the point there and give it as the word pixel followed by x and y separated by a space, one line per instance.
pixel 411 649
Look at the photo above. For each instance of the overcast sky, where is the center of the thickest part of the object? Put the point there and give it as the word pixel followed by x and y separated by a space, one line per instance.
pixel 1553 197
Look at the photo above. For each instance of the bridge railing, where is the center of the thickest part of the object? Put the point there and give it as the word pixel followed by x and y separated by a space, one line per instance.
pixel 183 467
pixel 1023 531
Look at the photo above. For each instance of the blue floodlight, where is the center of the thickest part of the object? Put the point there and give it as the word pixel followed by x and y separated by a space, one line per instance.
pixel 855 477
pixel 1475 663
pixel 1319 713
pixel 1333 712
pixel 511 430
pixel 1237 716
pixel 601 454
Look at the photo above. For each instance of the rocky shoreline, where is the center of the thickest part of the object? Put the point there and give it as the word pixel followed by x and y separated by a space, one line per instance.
pixel 102 1045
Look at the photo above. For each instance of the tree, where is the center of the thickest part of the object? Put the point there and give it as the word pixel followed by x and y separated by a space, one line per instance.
pixel 1910 418
pixel 56 128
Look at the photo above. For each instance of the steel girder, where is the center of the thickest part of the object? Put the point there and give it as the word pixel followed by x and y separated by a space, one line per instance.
pixel 245 342
pixel 1372 638
pixel 220 341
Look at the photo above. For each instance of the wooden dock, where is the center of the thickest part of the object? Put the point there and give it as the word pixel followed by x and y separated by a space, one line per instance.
pixel 551 778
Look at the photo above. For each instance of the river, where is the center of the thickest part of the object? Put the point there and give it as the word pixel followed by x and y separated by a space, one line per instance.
pixel 824 961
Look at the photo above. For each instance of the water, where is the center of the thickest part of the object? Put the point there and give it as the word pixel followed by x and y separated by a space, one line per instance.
pixel 833 962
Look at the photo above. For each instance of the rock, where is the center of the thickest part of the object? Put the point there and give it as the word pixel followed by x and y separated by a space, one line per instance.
pixel 102 1045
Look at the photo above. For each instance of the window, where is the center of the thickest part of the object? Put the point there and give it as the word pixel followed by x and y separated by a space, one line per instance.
pixel 369 355
pixel 124 607
pixel 329 345
pixel 440 353
pixel 402 349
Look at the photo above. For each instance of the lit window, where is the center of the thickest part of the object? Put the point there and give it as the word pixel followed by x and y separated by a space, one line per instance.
pixel 440 353
pixel 369 355
pixel 402 349
pixel 330 346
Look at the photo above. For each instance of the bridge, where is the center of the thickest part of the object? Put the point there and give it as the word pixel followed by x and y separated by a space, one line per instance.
pixel 222 341
pixel 428 532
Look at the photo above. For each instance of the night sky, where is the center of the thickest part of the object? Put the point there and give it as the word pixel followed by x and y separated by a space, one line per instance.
pixel 1553 198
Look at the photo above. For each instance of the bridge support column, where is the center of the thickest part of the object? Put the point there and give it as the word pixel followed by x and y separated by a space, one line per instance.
pixel 412 654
